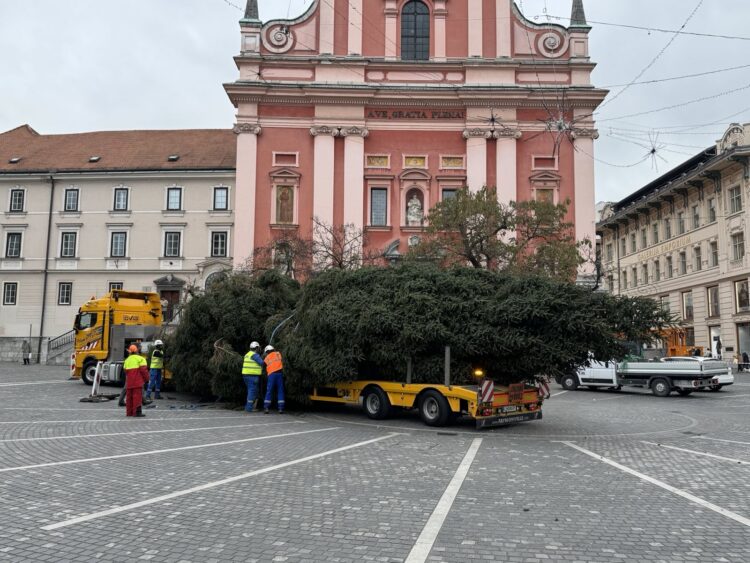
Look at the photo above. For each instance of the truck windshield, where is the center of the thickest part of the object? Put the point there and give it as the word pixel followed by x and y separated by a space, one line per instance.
pixel 85 320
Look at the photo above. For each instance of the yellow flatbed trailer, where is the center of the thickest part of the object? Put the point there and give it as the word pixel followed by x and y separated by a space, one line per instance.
pixel 437 404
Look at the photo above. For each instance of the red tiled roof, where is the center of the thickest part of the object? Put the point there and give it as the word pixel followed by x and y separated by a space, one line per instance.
pixel 198 149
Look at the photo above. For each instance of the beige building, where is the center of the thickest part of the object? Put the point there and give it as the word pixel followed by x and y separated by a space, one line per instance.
pixel 85 213
pixel 682 240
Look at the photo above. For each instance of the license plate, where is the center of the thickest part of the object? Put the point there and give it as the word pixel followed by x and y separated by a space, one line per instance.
pixel 511 408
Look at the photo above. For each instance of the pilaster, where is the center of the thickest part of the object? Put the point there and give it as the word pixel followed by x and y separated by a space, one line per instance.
pixel 323 177
pixel 246 189
pixel 354 181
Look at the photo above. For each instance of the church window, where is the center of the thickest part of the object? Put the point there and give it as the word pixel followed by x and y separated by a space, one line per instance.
pixel 415 31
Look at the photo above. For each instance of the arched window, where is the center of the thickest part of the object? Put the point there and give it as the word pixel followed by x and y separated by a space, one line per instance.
pixel 415 31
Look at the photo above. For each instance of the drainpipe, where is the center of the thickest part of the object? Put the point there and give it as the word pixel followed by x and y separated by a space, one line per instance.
pixel 617 249
pixel 51 179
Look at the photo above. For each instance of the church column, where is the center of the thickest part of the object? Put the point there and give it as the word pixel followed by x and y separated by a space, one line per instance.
pixel 355 27
pixel 476 158
pixel 507 174
pixel 327 17
pixel 391 28
pixel 323 174
pixel 354 180
pixel 585 198
pixel 246 185
pixel 440 34
pixel 503 29
pixel 475 28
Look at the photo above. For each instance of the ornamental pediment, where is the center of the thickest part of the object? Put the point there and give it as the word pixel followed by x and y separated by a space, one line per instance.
pixel 544 177
pixel 285 174
pixel 414 174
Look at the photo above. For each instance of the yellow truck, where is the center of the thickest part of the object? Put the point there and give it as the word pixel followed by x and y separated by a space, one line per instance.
pixel 105 327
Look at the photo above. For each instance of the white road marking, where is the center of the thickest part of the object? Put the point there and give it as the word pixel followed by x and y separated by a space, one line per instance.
pixel 421 550
pixel 721 457
pixel 121 419
pixel 30 383
pixel 154 452
pixel 211 485
pixel 611 398
pixel 679 492
pixel 149 432
pixel 720 440
pixel 556 394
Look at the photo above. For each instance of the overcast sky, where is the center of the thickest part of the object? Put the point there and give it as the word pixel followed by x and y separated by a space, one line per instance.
pixel 80 65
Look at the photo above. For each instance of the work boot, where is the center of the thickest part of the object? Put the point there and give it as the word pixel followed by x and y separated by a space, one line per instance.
pixel 265 411
pixel 281 412
pixel 158 396
pixel 146 397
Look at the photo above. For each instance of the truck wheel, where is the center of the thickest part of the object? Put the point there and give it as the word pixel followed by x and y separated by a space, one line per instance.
pixel 569 382
pixel 715 388
pixel 376 403
pixel 685 392
pixel 88 372
pixel 660 387
pixel 434 409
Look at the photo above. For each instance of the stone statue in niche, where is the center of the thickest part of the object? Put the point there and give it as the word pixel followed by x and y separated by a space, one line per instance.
pixel 414 213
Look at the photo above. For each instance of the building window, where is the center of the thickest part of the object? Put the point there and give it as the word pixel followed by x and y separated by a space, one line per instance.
pixel 667 229
pixel 681 223
pixel 634 272
pixel 71 199
pixel 633 244
pixel 696 217
pixel 13 245
pixel 712 210
pixel 657 270
pixel 221 199
pixel 610 251
pixel 623 247
pixel 611 283
pixel 664 302
pixel 714 309
pixel 283 259
pixel 449 193
pixel 670 268
pixel 64 293
pixel 687 306
pixel 738 246
pixel 656 233
pixel 172 244
pixel 121 199
pixel 415 31
pixel 644 238
pixel 624 280
pixel 683 263
pixel 118 245
pixel 115 285
pixel 10 293
pixel 714 254
pixel 697 259
pixel 735 200
pixel 644 269
pixel 742 296
pixel 689 336
pixel 17 200
pixel 174 199
pixel 219 244
pixel 284 205
pixel 378 207
pixel 68 245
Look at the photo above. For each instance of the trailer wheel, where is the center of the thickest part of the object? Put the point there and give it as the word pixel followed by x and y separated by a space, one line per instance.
pixel 660 387
pixel 715 387
pixel 685 392
pixel 376 403
pixel 88 372
pixel 569 382
pixel 434 409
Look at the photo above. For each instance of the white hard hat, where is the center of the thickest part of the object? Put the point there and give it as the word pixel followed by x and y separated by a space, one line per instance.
pixel 158 343
pixel 268 348
pixel 255 345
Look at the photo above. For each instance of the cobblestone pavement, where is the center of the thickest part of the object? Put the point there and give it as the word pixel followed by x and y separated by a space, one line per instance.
pixel 605 477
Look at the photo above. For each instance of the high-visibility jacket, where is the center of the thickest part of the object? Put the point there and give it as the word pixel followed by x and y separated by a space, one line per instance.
pixel 157 359
pixel 136 371
pixel 273 362
pixel 250 366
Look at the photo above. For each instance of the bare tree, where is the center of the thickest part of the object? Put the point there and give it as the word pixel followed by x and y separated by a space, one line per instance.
pixel 340 247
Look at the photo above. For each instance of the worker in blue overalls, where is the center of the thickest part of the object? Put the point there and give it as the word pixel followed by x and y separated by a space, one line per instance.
pixel 252 368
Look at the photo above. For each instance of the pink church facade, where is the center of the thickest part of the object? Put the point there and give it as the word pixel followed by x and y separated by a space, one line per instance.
pixel 369 113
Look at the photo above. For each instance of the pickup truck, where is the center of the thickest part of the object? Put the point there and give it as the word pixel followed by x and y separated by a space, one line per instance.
pixel 661 377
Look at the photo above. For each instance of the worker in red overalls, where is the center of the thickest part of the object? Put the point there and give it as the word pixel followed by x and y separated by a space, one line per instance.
pixel 136 376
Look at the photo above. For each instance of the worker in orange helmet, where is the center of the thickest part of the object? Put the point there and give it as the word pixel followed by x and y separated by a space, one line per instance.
pixel 136 376
pixel 275 375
